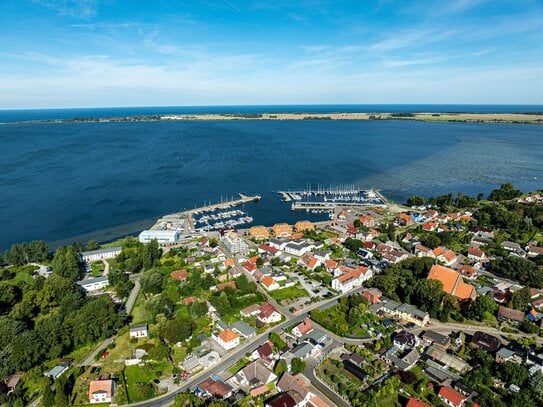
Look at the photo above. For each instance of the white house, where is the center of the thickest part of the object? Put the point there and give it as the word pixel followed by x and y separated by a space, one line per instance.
pixel 94 284
pixel 101 254
pixel 161 236
pixel 101 391
pixel 227 339
pixel 351 278
pixel 139 331
pixel 268 314
pixel 298 248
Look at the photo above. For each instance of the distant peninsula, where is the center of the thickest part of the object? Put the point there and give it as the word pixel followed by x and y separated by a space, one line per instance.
pixel 527 118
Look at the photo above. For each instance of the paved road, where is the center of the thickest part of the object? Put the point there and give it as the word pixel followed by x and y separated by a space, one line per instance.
pixel 89 360
pixel 441 327
pixel 106 267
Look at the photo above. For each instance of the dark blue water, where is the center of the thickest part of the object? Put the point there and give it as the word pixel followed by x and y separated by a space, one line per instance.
pixel 60 181
pixel 47 114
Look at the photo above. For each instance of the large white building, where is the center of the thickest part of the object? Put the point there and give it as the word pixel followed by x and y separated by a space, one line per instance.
pixel 234 243
pixel 161 236
pixel 101 254
pixel 94 284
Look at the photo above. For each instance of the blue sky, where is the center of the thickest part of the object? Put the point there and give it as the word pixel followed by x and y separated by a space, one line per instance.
pixel 72 53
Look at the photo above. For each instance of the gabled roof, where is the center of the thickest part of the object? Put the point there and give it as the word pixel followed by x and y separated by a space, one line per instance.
pixel 228 335
pixel 180 275
pixel 450 394
pixel 268 281
pixel 257 371
pixel 413 402
pixel 288 382
pixel 266 310
pixel 97 386
pixel 305 327
pixel 452 282
pixel 512 314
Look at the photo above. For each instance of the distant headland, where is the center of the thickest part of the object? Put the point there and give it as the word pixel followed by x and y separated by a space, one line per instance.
pixel 527 118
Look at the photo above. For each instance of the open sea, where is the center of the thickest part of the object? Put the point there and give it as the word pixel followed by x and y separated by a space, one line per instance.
pixel 78 181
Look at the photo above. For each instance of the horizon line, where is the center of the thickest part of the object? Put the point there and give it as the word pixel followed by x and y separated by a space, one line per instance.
pixel 270 105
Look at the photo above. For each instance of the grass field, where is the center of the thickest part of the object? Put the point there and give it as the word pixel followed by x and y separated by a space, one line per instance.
pixel 139 313
pixel 288 293
pixel 240 364
pixel 139 383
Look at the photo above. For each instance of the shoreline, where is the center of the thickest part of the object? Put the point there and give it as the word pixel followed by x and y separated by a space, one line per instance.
pixel 514 118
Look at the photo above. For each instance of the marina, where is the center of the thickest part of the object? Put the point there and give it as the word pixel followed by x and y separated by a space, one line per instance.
pixel 325 199
pixel 210 217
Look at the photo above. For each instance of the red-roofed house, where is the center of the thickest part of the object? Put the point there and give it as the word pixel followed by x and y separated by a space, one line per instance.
pixel 269 283
pixel 351 278
pixel 303 328
pixel 474 253
pixel 190 300
pixel 413 402
pixel 250 267
pixel 101 391
pixel 264 248
pixel 230 284
pixel 448 257
pixel 451 397
pixel 367 221
pixel 373 295
pixel 228 339
pixel 179 275
pixel 268 314
pixel 468 272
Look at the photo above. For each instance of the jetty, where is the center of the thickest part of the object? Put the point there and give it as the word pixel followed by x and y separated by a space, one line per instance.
pixel 328 198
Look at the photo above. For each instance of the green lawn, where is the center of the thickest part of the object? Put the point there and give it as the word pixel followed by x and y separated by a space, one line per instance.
pixel 97 268
pixel 288 293
pixel 139 383
pixel 139 313
pixel 240 364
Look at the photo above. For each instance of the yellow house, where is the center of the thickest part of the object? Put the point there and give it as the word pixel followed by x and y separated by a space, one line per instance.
pixel 282 230
pixel 259 232
pixel 302 225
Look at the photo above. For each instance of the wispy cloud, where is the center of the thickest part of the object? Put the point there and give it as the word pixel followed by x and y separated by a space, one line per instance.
pixel 72 8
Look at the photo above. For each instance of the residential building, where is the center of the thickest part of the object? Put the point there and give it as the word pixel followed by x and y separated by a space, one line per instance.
pixel 259 232
pixel 214 386
pixel 243 329
pixel 436 339
pixel 287 383
pixel 269 283
pixel 161 236
pixel 298 248
pixel 510 314
pixel 139 331
pixel 282 230
pixel 268 314
pixel 250 311
pixel 403 219
pixel 303 328
pixel 93 284
pixel 367 221
pixel 303 225
pixel 179 275
pixel 413 402
pixel 264 248
pixel 451 397
pixel 475 253
pixel 534 250
pixel 407 312
pixel 234 243
pixel 101 254
pixel 256 374
pixel 265 354
pixel 486 341
pixel 227 338
pixel 446 359
pixel 405 340
pixel 452 282
pixel 101 391
pixel 507 355
pixel 351 278
pixel 373 295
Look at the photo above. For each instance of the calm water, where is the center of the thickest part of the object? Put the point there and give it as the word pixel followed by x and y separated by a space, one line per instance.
pixel 101 180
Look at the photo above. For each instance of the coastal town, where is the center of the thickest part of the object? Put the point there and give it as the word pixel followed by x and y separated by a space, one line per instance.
pixel 434 302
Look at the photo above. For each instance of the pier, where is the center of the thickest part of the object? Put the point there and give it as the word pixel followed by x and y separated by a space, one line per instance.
pixel 184 221
pixel 330 198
